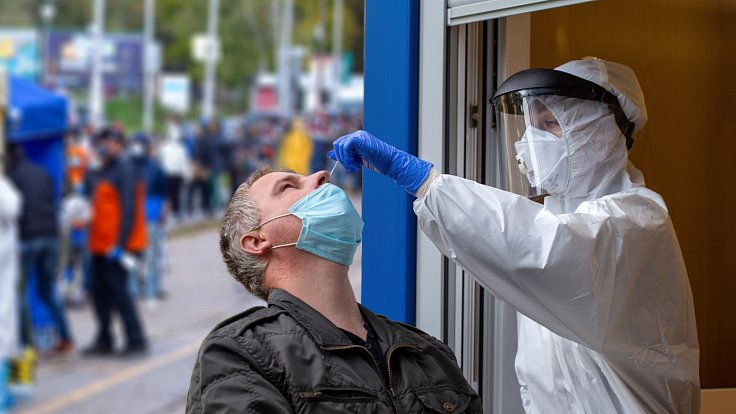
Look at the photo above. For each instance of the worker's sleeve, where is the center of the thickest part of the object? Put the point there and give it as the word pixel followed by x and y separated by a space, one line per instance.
pixel 227 380
pixel 10 200
pixel 559 270
pixel 126 188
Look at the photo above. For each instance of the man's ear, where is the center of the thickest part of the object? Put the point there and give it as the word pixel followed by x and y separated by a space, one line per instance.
pixel 254 244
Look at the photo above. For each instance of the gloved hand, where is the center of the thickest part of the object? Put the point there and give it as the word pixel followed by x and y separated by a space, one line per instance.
pixel 126 259
pixel 115 254
pixel 363 149
pixel 129 262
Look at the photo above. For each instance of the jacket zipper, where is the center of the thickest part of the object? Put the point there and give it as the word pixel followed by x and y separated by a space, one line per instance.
pixel 328 394
pixel 387 385
pixel 388 362
pixel 310 394
pixel 376 367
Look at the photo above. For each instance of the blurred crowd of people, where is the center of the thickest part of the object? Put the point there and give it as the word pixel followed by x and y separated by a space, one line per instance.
pixel 99 241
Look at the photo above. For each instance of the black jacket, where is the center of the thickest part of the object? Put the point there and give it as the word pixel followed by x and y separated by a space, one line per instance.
pixel 38 218
pixel 289 358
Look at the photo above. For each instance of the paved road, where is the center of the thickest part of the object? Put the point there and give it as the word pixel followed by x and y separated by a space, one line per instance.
pixel 201 293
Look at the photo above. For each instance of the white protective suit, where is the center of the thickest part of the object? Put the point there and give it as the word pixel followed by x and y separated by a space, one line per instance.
pixel 606 320
pixel 10 209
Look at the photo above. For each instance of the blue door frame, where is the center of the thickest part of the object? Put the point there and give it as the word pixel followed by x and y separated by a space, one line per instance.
pixel 390 109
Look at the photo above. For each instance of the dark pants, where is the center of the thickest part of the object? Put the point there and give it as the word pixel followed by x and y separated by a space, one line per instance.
pixel 174 193
pixel 109 287
pixel 41 255
pixel 201 186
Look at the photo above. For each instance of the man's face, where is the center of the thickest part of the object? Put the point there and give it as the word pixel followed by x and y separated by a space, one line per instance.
pixel 111 148
pixel 277 191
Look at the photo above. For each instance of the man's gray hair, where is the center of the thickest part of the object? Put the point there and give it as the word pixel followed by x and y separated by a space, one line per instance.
pixel 242 215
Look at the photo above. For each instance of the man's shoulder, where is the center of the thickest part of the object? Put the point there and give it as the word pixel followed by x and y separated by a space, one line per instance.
pixel 236 325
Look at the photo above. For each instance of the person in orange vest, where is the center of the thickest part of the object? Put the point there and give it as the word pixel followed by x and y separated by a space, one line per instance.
pixel 77 158
pixel 117 234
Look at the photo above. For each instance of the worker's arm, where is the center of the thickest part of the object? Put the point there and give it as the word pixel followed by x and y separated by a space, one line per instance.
pixel 576 274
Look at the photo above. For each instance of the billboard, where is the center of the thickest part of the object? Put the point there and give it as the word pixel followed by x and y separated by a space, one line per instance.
pixel 174 92
pixel 19 53
pixel 70 60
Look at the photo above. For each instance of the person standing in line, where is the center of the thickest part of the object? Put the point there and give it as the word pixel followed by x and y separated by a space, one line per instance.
pixel 117 233
pixel 295 152
pixel 74 221
pixel 141 150
pixel 39 236
pixel 175 162
pixel 203 168
pixel 10 210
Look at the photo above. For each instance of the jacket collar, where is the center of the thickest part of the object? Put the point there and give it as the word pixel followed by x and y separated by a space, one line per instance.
pixel 327 334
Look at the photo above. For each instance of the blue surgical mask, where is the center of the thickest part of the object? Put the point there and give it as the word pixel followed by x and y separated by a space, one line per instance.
pixel 137 150
pixel 331 227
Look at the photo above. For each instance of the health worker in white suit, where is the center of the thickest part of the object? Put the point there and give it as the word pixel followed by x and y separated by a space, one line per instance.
pixel 606 317
pixel 10 210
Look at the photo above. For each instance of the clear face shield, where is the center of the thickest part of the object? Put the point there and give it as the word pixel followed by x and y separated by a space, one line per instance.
pixel 533 143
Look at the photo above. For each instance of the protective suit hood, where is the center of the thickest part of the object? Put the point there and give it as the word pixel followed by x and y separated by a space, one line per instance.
pixel 616 78
pixel 598 156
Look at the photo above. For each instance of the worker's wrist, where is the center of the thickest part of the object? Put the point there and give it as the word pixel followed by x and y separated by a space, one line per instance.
pixel 427 183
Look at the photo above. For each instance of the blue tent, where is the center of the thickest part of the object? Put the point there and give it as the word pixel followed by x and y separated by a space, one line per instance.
pixel 37 119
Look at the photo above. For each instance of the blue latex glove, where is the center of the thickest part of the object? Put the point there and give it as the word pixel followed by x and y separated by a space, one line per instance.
pixel 115 254
pixel 361 149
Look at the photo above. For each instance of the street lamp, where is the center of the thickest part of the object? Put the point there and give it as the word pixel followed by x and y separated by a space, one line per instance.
pixel 47 12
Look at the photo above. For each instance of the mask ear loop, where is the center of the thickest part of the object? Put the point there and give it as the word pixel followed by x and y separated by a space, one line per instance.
pixel 267 221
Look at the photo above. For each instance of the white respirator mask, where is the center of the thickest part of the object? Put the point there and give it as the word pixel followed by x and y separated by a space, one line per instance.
pixel 543 158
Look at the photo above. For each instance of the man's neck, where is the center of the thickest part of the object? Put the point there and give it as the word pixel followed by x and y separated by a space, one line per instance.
pixel 325 287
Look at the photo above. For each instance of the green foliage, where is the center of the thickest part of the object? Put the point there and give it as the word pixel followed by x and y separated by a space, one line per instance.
pixel 127 111
pixel 248 31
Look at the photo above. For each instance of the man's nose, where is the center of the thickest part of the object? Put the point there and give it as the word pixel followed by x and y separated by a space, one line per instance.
pixel 317 179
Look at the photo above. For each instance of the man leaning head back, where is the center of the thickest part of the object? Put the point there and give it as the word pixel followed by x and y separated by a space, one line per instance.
pixel 280 224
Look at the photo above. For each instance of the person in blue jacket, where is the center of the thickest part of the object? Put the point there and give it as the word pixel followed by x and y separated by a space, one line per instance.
pixel 156 183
